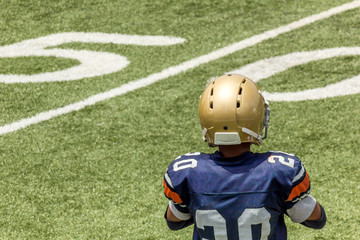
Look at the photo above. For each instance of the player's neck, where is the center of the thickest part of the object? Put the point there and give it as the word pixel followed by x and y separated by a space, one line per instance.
pixel 234 150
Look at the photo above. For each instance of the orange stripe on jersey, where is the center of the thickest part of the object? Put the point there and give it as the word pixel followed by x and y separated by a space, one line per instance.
pixel 172 195
pixel 300 188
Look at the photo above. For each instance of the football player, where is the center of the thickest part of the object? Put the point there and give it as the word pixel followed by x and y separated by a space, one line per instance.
pixel 234 193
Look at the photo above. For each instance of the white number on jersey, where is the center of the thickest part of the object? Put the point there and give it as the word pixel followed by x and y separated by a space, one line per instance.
pixel 283 160
pixel 251 216
pixel 183 164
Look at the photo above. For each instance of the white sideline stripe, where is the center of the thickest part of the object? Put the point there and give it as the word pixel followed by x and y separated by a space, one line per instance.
pixel 171 71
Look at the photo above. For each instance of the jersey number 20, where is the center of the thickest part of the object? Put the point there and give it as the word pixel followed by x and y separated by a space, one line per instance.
pixel 250 216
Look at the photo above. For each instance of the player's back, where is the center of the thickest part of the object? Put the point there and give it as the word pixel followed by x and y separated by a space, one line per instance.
pixel 235 198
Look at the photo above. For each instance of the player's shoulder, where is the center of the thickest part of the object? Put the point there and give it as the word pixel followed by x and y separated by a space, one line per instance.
pixel 285 163
pixel 283 158
pixel 182 168
pixel 187 161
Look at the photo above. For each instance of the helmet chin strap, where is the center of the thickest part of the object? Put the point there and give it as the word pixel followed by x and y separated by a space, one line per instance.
pixel 266 125
pixel 252 133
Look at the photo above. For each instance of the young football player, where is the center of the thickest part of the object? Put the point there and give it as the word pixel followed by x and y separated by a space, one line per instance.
pixel 235 193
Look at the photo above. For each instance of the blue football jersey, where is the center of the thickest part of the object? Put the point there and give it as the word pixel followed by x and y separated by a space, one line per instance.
pixel 244 197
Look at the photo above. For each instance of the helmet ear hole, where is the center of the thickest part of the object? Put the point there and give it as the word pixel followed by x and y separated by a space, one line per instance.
pixel 225 128
pixel 211 105
pixel 238 104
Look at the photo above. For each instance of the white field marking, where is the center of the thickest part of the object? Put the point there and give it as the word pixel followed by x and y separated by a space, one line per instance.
pixel 267 67
pixel 171 71
pixel 92 63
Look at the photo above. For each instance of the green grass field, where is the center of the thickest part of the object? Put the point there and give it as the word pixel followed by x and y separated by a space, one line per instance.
pixel 97 173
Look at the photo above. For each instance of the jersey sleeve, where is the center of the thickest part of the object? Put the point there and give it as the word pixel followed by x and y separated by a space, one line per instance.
pixel 302 210
pixel 180 211
pixel 300 204
pixel 176 184
pixel 176 179
pixel 300 187
pixel 170 191
pixel 295 180
pixel 176 203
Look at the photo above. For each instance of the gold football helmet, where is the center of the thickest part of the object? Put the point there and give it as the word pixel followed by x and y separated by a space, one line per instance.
pixel 232 111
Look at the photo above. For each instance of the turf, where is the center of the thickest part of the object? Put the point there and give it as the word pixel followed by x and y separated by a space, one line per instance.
pixel 97 173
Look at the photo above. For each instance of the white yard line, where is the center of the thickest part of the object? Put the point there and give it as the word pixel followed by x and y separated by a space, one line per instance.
pixel 171 71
